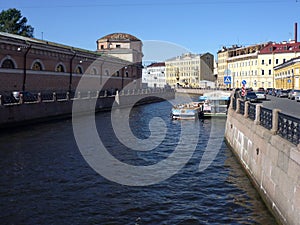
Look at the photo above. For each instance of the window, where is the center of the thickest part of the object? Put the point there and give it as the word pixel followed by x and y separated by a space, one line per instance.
pixel 118 46
pixel 270 61
pixel 102 46
pixel 283 60
pixel 78 70
pixel 270 72
pixel 262 72
pixel 263 62
pixel 60 68
pixel 8 64
pixel 37 66
pixel 277 61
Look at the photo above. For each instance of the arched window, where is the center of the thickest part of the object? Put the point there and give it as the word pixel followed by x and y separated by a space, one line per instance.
pixel 94 71
pixel 60 68
pixel 8 64
pixel 78 70
pixel 37 66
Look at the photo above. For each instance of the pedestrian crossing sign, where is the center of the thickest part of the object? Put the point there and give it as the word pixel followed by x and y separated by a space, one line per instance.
pixel 227 80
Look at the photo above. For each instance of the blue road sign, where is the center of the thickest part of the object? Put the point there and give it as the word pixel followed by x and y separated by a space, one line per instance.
pixel 289 81
pixel 227 80
pixel 244 82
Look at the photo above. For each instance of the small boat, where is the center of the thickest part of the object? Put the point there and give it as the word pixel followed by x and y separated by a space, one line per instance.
pixel 215 104
pixel 188 111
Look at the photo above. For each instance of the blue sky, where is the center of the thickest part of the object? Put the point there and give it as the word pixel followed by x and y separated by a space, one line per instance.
pixel 196 25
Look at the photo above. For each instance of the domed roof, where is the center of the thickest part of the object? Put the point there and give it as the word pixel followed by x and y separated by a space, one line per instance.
pixel 120 36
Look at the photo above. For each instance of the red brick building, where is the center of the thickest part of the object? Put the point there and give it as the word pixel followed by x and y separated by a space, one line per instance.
pixel 37 65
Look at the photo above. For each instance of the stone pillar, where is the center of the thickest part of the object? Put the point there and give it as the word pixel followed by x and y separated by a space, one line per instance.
pixel 68 95
pixel 257 114
pixel 54 97
pixel 246 111
pixel 275 120
pixel 39 97
pixel 231 102
pixel 21 100
pixel 238 105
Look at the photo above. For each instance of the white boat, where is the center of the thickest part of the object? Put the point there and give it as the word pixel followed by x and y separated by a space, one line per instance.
pixel 215 103
pixel 188 111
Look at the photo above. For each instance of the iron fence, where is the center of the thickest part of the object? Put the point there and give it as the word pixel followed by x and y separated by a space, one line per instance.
pixel 289 128
pixel 266 116
pixel 251 111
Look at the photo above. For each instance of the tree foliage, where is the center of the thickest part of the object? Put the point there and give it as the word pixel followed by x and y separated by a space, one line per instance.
pixel 11 21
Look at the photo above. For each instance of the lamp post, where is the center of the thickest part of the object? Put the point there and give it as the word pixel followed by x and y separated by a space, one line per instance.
pixel 24 66
pixel 71 70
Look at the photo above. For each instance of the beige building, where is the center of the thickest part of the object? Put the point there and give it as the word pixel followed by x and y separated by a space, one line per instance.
pixel 121 45
pixel 255 64
pixel 287 75
pixel 189 69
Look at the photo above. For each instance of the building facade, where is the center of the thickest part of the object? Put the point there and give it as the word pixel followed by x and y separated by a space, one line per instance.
pixel 287 75
pixel 37 65
pixel 154 75
pixel 189 70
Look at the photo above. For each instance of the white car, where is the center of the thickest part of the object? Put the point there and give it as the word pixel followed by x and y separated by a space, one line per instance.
pixel 261 95
pixel 297 97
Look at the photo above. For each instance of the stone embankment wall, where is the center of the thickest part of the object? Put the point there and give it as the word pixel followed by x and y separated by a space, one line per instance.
pixel 272 162
pixel 12 115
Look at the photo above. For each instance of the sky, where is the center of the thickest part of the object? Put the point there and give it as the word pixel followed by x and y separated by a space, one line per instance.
pixel 197 26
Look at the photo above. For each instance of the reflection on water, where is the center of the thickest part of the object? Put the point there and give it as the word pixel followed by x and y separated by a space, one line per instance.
pixel 44 179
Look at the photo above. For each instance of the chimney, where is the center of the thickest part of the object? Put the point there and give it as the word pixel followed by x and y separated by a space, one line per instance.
pixel 296 31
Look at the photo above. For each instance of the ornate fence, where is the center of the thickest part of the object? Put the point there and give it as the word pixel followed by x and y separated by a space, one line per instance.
pixel 252 111
pixel 288 127
pixel 265 118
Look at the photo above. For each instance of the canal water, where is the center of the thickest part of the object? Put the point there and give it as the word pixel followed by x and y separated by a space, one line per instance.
pixel 45 179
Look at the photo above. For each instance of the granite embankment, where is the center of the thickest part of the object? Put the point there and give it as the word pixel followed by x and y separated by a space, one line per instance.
pixel 270 154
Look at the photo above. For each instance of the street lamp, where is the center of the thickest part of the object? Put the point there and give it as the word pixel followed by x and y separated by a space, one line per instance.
pixel 71 70
pixel 28 47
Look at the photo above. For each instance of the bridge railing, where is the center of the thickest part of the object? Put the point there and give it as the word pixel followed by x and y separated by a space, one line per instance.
pixel 9 99
pixel 286 126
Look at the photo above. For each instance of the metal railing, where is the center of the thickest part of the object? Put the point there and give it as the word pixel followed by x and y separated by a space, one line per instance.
pixel 251 111
pixel 265 118
pixel 286 126
pixel 242 107
pixel 289 128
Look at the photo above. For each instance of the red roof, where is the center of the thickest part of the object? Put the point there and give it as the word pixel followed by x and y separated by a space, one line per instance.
pixel 159 64
pixel 284 47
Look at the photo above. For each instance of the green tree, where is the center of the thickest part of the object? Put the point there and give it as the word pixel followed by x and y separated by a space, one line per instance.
pixel 11 21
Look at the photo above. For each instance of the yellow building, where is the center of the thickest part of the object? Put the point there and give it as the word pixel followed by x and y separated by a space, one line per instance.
pixel 287 75
pixel 255 64
pixel 189 69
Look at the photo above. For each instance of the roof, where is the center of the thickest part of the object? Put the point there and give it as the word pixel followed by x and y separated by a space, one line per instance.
pixel 120 36
pixel 288 63
pixel 284 47
pixel 159 64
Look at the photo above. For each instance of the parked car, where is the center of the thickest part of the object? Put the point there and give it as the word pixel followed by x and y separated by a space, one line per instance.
pixel 261 95
pixel 251 96
pixel 297 97
pixel 293 93
pixel 269 91
pixel 27 96
pixel 282 93
pixel 261 89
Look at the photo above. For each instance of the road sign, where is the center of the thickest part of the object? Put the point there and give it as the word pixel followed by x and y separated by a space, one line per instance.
pixel 227 72
pixel 244 82
pixel 289 81
pixel 227 80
